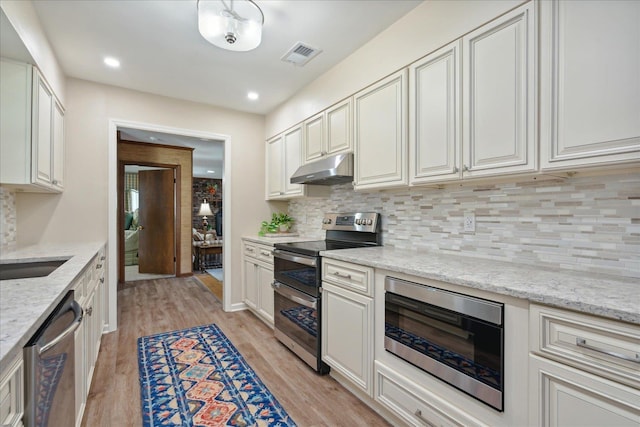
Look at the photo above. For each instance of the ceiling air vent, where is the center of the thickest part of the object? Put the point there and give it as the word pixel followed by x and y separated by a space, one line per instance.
pixel 300 54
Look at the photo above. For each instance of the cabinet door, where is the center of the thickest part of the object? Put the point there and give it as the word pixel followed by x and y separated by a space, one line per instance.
pixel 590 89
pixel 563 396
pixel 42 136
pixel 339 131
pixel 275 168
pixel 347 328
pixel 80 370
pixel 499 96
pixel 380 126
pixel 15 117
pixel 250 284
pixel 314 138
pixel 292 160
pixel 434 116
pixel 264 280
pixel 58 146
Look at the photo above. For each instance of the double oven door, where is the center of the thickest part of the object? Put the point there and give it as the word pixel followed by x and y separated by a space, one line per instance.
pixel 297 305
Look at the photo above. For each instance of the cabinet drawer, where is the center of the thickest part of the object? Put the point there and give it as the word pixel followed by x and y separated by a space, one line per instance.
pixel 250 249
pixel 604 347
pixel 355 277
pixel 415 405
pixel 11 395
pixel 80 286
pixel 265 253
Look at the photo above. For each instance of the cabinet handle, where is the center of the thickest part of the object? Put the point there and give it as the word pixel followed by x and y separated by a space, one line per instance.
pixel 98 266
pixel 102 258
pixel 89 311
pixel 346 276
pixel 282 193
pixel 582 342
pixel 455 169
pixel 54 182
pixel 265 253
pixel 418 414
pixel 249 249
pixel 323 153
pixel 465 168
pixel 102 280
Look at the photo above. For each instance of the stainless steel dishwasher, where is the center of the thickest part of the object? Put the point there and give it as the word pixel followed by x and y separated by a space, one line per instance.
pixel 50 368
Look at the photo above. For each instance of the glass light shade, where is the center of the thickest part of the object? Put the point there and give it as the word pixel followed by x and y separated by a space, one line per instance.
pixel 205 209
pixel 231 24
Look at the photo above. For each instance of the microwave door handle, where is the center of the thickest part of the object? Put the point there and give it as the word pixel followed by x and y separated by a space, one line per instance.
pixel 311 262
pixel 292 295
pixel 78 314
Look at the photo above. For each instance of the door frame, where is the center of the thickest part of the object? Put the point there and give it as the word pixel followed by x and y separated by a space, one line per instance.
pixel 112 288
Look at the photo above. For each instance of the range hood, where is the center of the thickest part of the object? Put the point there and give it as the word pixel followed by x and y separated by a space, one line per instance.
pixel 336 169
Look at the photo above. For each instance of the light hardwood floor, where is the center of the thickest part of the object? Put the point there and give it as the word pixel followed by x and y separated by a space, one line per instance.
pixel 153 306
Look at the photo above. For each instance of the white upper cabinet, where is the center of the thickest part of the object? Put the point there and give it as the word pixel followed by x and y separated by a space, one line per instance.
pixel 32 134
pixel 292 160
pixel 380 134
pixel 314 138
pixel 590 83
pixel 328 132
pixel 339 131
pixel 435 134
pixel 275 167
pixel 283 157
pixel 499 95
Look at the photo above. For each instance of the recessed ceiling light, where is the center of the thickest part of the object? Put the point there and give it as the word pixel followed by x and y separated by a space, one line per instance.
pixel 111 62
pixel 211 171
pixel 253 96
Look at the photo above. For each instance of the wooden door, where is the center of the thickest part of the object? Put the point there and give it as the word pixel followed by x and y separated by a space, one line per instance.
pixel 156 247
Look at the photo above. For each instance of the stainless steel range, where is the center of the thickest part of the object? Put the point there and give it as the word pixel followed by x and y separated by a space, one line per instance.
pixel 297 274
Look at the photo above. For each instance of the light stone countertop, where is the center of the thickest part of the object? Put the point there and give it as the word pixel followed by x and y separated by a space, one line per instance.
pixel 273 240
pixel 26 303
pixel 602 295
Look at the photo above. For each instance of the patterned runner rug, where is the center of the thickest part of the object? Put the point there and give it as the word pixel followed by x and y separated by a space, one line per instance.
pixel 196 377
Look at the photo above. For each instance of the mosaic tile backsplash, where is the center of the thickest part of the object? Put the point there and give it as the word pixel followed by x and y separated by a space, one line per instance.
pixel 7 219
pixel 589 224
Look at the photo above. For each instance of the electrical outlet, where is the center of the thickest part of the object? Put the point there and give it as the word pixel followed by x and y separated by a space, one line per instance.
pixel 470 223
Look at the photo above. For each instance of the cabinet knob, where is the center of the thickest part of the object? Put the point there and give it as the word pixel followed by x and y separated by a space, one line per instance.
pixel 102 280
pixel 465 168
pixel 98 266
pixel 54 182
pixel 89 311
pixel 455 169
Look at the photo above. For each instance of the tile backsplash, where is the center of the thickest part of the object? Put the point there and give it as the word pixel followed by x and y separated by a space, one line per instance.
pixel 8 219
pixel 589 224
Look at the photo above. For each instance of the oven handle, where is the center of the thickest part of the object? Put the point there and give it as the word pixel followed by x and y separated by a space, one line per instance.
pixel 293 295
pixel 300 259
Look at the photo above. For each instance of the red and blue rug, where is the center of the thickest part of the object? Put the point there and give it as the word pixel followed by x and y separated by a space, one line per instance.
pixel 196 377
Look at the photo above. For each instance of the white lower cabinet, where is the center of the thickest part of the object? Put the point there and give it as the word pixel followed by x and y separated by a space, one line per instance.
pixel 12 394
pixel 414 404
pixel 89 292
pixel 257 277
pixel 583 370
pixel 565 396
pixel 347 331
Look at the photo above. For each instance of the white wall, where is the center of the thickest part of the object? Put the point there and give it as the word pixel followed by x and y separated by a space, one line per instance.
pixel 80 213
pixel 23 17
pixel 428 27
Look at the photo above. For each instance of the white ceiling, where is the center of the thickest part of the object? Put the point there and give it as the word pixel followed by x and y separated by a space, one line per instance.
pixel 161 52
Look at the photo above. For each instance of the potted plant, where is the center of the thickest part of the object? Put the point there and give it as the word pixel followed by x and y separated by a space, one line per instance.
pixel 283 220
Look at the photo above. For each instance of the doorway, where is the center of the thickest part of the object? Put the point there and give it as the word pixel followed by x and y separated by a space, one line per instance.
pixel 149 222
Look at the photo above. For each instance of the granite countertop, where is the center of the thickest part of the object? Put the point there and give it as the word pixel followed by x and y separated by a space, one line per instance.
pixel 602 295
pixel 26 303
pixel 273 240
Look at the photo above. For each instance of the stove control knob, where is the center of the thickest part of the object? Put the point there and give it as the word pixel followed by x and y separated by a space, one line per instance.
pixel 359 221
pixel 326 221
pixel 369 221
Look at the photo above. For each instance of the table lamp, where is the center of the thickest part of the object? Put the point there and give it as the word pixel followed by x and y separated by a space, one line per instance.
pixel 205 210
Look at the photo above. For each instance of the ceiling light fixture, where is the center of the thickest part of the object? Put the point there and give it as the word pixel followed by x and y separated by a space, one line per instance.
pixel 253 96
pixel 231 24
pixel 111 62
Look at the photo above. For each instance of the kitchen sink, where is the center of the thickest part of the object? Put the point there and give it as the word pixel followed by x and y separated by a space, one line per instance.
pixel 24 270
